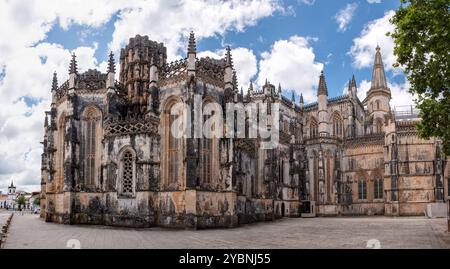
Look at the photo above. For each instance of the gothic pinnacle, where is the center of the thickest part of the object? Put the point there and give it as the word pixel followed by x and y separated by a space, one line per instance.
pixel 322 85
pixel 235 82
pixel 111 63
pixel 54 82
pixel 192 46
pixel 301 98
pixel 228 58
pixel 279 88
pixel 73 65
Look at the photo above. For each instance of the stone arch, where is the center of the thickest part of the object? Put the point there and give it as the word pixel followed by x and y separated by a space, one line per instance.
pixel 313 127
pixel 209 145
pixel 337 124
pixel 91 136
pixel 172 146
pixel 377 184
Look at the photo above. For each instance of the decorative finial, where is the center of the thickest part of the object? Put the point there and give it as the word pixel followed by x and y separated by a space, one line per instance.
pixel 322 85
pixel 235 82
pixel 46 120
pixel 301 98
pixel 228 57
pixel 378 47
pixel 353 81
pixel 54 82
pixel 111 63
pixel 192 47
pixel 73 65
pixel 279 88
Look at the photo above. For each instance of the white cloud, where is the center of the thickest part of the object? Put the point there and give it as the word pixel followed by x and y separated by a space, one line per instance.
pixel 345 16
pixel 244 61
pixel 308 2
pixel 292 63
pixel 363 48
pixel 170 21
pixel 373 1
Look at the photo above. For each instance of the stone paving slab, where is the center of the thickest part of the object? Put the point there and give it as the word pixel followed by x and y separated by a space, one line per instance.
pixel 28 231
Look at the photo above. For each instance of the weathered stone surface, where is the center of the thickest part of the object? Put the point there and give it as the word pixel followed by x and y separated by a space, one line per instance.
pixel 109 158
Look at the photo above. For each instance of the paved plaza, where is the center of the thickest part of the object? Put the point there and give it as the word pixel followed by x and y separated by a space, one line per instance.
pixel 28 231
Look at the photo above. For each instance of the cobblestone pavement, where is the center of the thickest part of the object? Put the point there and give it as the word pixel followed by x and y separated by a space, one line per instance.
pixel 28 231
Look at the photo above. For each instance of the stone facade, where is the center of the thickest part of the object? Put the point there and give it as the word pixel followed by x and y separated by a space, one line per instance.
pixel 109 156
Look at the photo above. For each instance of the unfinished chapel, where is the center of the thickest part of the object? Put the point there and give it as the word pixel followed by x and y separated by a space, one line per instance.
pixel 110 158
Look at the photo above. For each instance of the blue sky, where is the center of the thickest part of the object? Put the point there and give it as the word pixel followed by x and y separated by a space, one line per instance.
pixel 315 20
pixel 288 42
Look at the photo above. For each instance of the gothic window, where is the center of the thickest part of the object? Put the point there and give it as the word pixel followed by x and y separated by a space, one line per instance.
pixel 378 189
pixel 313 128
pixel 207 153
pixel 127 163
pixel 91 141
pixel 60 153
pixel 269 108
pixel 173 152
pixel 362 189
pixel 337 126
pixel 378 104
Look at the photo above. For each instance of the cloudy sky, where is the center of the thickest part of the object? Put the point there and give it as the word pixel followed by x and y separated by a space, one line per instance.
pixel 287 42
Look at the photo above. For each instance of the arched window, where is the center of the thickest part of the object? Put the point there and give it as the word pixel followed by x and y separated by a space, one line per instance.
pixel 379 126
pixel 337 125
pixel 91 126
pixel 207 153
pixel 172 142
pixel 362 189
pixel 127 173
pixel 378 104
pixel 60 155
pixel 313 128
pixel 378 189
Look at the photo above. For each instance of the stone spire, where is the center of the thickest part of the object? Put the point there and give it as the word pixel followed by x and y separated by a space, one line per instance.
pixel 191 55
pixel 293 100
pixel 378 75
pixel 228 58
pixel 54 82
pixel 72 74
pixel 352 90
pixel 45 120
pixel 279 89
pixel 301 101
pixel 192 47
pixel 353 82
pixel 322 85
pixel 73 68
pixel 235 82
pixel 229 73
pixel 250 88
pixel 111 63
pixel 110 73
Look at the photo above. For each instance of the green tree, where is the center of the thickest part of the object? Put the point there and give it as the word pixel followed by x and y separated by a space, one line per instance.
pixel 422 47
pixel 21 201
pixel 37 201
